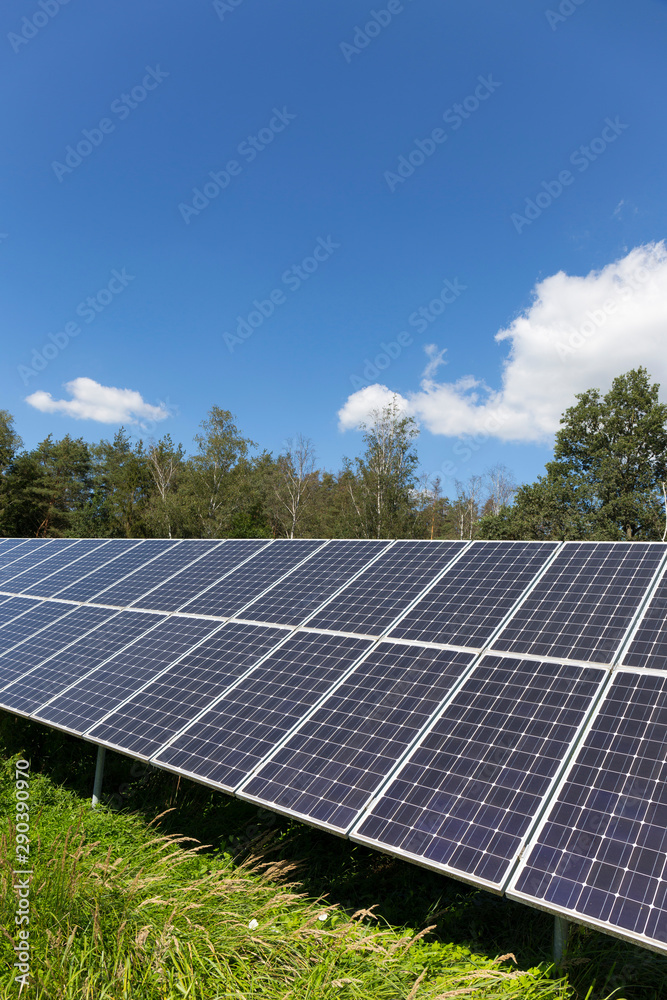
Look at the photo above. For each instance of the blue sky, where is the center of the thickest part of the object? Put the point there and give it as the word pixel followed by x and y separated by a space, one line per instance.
pixel 338 99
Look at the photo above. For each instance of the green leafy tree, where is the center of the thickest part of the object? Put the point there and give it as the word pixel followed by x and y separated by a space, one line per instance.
pixel 223 488
pixel 383 484
pixel 605 481
pixel 23 497
pixel 10 443
pixel 46 490
pixel 166 512
pixel 294 483
pixel 122 489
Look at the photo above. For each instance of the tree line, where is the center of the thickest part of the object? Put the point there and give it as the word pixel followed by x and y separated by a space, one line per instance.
pixel 606 481
pixel 226 487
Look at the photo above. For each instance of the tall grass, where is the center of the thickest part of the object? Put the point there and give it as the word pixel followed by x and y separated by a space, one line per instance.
pixel 119 910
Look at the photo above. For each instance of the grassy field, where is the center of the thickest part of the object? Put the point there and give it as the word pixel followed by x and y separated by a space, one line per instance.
pixel 127 903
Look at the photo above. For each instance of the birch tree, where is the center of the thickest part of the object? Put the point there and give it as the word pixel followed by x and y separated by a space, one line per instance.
pixel 384 481
pixel 165 461
pixel 294 484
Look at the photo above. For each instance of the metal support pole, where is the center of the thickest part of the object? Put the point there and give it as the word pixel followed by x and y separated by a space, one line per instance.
pixel 99 776
pixel 561 929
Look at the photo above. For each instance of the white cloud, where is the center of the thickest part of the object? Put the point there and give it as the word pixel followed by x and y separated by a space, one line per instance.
pixel 436 358
pixel 104 403
pixel 578 332
pixel 361 404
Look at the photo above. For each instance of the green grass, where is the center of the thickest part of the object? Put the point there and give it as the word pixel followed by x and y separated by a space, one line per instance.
pixel 125 909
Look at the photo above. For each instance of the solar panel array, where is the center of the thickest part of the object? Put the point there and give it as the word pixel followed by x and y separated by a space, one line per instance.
pixel 496 711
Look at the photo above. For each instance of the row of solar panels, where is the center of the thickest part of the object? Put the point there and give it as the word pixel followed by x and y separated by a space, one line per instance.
pixel 580 609
pixel 436 700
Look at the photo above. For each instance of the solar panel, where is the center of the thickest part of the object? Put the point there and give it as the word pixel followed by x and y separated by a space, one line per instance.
pixel 465 798
pixel 584 603
pixel 599 854
pixel 149 719
pixel 36 562
pixel 21 548
pixel 469 602
pixel 371 602
pixel 66 556
pixel 92 697
pixel 31 651
pixel 191 581
pixel 38 551
pixel 229 740
pixel 333 763
pixel 240 586
pixel 648 646
pixel 131 588
pixel 37 616
pixel 305 589
pixel 76 572
pixel 132 556
pixel 12 607
pixel 9 552
pixel 29 692
pixel 410 745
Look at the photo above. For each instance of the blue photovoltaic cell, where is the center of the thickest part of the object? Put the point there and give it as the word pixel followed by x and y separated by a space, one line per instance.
pixel 133 555
pixel 471 599
pixel 292 600
pixel 12 607
pixel 45 580
pixel 91 698
pixel 381 592
pixel 649 642
pixel 232 738
pixel 53 585
pixel 584 603
pixel 470 789
pixel 240 586
pixel 146 722
pixel 600 853
pixel 67 556
pixel 332 764
pixel 37 558
pixel 179 555
pixel 33 650
pixel 10 549
pixel 27 694
pixel 39 549
pixel 191 581
pixel 38 616
pixel 58 553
